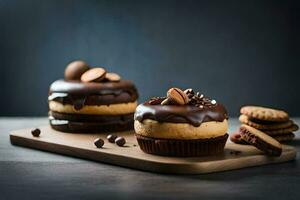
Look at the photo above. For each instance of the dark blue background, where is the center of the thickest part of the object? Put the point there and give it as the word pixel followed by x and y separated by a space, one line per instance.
pixel 238 52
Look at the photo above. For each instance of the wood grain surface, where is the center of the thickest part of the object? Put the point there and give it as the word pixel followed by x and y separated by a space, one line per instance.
pixel 81 145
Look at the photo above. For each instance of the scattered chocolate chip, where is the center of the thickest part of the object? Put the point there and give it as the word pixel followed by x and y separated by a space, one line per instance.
pixel 93 75
pixel 134 145
pixel 36 132
pixel 120 141
pixel 99 143
pixel 111 138
pixel 75 69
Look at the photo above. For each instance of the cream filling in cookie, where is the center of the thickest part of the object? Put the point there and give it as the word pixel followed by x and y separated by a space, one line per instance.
pixel 112 109
pixel 166 130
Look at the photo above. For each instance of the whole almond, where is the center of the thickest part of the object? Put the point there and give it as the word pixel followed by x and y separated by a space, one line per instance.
pixel 112 77
pixel 165 102
pixel 93 75
pixel 177 96
pixel 169 101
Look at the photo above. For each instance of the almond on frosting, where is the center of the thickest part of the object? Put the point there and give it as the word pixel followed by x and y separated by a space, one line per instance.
pixel 175 96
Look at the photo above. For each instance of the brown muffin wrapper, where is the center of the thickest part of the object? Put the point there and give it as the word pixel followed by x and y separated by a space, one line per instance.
pixel 182 148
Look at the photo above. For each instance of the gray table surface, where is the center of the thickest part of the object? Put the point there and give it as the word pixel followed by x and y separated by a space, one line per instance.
pixel 31 174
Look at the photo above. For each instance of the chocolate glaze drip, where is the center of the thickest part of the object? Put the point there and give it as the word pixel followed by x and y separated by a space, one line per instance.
pixel 79 94
pixel 181 114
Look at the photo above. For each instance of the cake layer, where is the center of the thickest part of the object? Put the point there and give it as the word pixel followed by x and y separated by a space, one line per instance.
pixel 184 131
pixel 113 109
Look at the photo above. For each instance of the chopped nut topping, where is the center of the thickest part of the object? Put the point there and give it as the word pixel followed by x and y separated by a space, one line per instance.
pixel 175 96
pixel 156 100
pixel 213 101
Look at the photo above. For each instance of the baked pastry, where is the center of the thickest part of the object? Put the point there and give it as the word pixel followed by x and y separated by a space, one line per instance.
pixel 275 123
pixel 181 124
pixel 91 100
pixel 260 140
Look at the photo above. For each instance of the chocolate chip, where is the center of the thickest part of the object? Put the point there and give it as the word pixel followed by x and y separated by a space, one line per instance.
pixel 93 75
pixel 99 143
pixel 36 132
pixel 111 138
pixel 75 69
pixel 120 141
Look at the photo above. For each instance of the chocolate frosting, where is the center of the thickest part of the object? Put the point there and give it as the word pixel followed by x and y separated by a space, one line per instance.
pixel 181 113
pixel 79 94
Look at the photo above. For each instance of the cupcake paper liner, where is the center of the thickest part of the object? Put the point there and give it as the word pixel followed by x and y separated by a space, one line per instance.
pixel 182 148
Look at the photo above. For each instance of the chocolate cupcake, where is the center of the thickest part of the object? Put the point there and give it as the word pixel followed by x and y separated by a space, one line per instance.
pixel 91 100
pixel 181 124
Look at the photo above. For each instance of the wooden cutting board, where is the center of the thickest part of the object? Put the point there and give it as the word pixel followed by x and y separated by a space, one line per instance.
pixel 235 156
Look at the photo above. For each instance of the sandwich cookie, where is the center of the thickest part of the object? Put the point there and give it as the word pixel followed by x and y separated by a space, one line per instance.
pixel 91 100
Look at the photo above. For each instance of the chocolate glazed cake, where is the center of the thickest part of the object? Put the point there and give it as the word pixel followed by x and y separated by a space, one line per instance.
pixel 95 105
pixel 181 124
